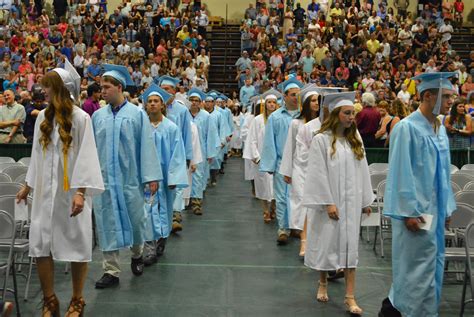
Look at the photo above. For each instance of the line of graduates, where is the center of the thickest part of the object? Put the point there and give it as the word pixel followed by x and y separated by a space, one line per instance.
pixel 138 167
pixel 302 151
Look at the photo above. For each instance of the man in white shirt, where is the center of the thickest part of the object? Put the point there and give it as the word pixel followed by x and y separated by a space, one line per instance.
pixel 446 29
pixel 123 49
pixel 203 58
pixel 336 43
pixel 404 95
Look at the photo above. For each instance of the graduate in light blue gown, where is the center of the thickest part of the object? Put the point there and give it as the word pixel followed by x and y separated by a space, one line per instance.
pixel 217 117
pixel 210 146
pixel 276 131
pixel 419 187
pixel 128 161
pixel 170 150
pixel 179 114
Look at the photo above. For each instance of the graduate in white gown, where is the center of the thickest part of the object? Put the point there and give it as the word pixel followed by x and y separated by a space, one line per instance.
pixel 253 150
pixel 193 166
pixel 337 190
pixel 236 141
pixel 295 157
pixel 250 169
pixel 64 172
pixel 172 156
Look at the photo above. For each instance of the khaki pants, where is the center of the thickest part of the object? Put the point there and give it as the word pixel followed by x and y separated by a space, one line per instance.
pixel 111 264
pixel 18 138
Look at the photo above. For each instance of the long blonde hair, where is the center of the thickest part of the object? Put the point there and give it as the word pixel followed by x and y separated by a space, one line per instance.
pixel 350 134
pixel 60 108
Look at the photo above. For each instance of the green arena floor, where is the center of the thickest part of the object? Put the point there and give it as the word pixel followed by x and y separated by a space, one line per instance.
pixel 227 263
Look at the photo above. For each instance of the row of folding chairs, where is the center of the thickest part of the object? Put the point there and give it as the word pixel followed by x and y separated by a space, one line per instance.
pixel 24 161
pixel 383 168
pixel 13 172
pixel 14 242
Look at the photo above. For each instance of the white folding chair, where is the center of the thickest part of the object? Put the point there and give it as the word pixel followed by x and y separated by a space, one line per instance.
pixel 454 169
pixel 375 180
pixel 461 178
pixel 21 246
pixel 456 188
pixel 4 178
pixel 384 222
pixel 467 167
pixel 21 179
pixel 25 161
pixel 468 172
pixel 15 171
pixel 378 167
pixel 468 273
pixel 7 236
pixel 465 197
pixel 469 186
pixel 9 188
pixel 3 166
pixel 6 159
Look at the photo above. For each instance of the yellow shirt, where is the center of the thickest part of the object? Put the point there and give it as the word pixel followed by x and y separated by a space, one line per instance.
pixel 319 54
pixel 411 86
pixel 373 46
pixel 335 12
pixel 182 35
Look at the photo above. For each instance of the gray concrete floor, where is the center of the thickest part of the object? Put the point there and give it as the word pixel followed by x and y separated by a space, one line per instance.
pixel 227 263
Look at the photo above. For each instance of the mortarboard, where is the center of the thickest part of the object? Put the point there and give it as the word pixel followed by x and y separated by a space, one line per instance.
pixel 155 90
pixel 194 92
pixel 168 81
pixel 271 94
pixel 323 91
pixel 67 80
pixel 438 80
pixel 340 99
pixel 118 72
pixel 290 83
pixel 76 79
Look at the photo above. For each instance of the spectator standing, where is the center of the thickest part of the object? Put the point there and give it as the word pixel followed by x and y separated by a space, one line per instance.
pixel 12 118
pixel 368 120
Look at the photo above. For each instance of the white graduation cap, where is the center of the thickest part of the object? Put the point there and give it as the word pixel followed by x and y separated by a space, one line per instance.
pixel 68 81
pixel 271 94
pixel 324 91
pixel 340 99
pixel 438 80
pixel 76 78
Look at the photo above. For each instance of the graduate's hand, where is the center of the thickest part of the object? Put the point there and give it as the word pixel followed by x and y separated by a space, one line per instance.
pixel 172 186
pixel 332 211
pixel 209 160
pixel 256 161
pixel 222 145
pixel 367 210
pixel 193 168
pixel 413 224
pixel 77 205
pixel 22 194
pixel 287 179
pixel 228 138
pixel 153 187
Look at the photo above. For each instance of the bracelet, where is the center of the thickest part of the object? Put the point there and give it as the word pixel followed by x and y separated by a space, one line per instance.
pixel 79 193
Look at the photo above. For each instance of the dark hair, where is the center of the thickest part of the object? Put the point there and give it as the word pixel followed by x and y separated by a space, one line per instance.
pixel 113 81
pixel 92 88
pixel 306 109
pixel 454 115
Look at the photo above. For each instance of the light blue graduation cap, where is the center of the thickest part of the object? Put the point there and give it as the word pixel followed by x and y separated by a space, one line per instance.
pixel 156 80
pixel 340 99
pixel 168 81
pixel 214 93
pixel 223 97
pixel 198 93
pixel 438 80
pixel 119 73
pixel 290 83
pixel 155 90
pixel 210 96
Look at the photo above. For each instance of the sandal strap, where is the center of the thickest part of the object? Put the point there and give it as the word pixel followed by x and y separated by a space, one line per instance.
pixel 77 305
pixel 51 303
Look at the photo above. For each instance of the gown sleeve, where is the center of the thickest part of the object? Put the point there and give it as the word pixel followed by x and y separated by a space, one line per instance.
pixel 86 172
pixel 177 170
pixel 268 161
pixel 187 135
pixel 213 142
pixel 251 147
pixel 150 165
pixel 316 190
pixel 400 198
pixel 197 153
pixel 286 166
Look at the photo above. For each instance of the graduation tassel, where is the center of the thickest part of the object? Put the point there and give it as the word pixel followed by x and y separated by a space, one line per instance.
pixel 300 106
pixel 65 177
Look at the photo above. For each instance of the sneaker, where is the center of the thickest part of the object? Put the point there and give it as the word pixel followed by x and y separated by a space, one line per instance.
pixel 150 259
pixel 106 281
pixel 282 238
pixel 137 266
pixel 160 247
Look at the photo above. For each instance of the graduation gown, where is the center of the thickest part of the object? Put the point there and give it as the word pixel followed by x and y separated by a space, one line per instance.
pixel 52 230
pixel 197 159
pixel 250 169
pixel 210 146
pixel 219 120
pixel 294 164
pixel 128 161
pixel 253 150
pixel 418 182
pixel 178 113
pixel 236 141
pixel 341 180
pixel 171 154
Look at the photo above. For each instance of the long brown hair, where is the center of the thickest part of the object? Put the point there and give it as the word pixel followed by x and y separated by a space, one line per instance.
pixel 60 108
pixel 350 134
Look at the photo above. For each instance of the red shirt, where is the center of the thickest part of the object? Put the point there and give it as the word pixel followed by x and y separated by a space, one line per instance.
pixel 368 121
pixel 459 6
